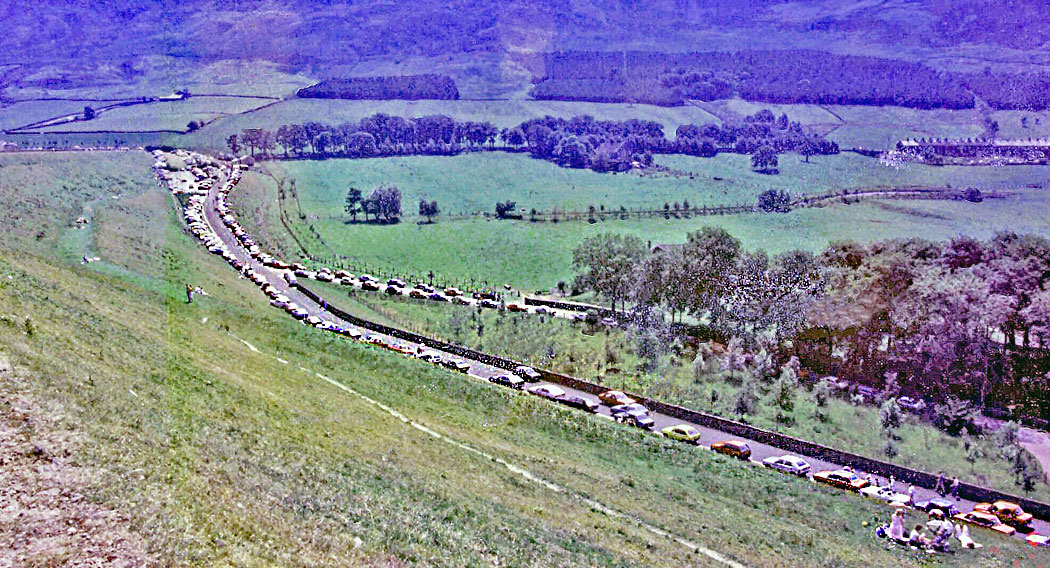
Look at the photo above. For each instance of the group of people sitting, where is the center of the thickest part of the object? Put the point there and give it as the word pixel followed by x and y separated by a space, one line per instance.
pixel 935 536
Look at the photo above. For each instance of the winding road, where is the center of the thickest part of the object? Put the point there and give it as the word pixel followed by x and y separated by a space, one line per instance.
pixel 480 371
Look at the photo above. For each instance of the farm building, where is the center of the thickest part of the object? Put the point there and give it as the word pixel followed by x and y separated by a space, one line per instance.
pixel 977 150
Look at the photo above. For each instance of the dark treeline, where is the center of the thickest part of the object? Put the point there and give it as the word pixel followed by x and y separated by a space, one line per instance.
pixel 962 319
pixel 406 87
pixel 607 90
pixel 783 76
pixel 579 142
pixel 376 135
pixel 1027 91
pixel 760 129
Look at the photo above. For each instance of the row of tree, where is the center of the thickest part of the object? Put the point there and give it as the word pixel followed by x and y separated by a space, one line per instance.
pixel 579 142
pixel 762 129
pixel 964 318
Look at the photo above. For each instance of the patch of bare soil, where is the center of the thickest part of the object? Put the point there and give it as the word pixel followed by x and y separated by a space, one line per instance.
pixel 45 517
pixel 909 211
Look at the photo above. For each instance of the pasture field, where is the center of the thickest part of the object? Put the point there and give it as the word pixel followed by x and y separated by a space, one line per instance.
pixel 207 428
pixel 882 127
pixel 855 126
pixel 872 137
pixel 21 113
pixel 736 109
pixel 538 255
pixel 1037 124
pixel 502 113
pixel 609 357
pixel 850 126
pixel 472 183
pixel 162 75
pixel 163 115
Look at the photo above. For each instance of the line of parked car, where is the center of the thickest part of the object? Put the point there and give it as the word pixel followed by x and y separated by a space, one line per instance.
pixel 1001 516
pixel 419 291
pixel 194 214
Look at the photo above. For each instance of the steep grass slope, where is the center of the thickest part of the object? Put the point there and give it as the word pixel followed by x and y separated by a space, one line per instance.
pixel 220 432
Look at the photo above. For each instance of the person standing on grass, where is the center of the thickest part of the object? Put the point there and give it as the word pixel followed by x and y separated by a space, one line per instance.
pixel 940 488
pixel 911 494
pixel 955 487
pixel 189 294
pixel 897 526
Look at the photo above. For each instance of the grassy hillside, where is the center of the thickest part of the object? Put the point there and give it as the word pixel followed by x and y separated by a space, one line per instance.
pixel 211 429
pixel 67 47
pixel 610 358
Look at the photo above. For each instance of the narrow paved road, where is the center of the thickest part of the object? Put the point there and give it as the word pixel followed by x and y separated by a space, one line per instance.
pixel 482 371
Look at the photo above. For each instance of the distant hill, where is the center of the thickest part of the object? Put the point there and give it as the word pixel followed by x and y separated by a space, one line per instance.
pixel 72 43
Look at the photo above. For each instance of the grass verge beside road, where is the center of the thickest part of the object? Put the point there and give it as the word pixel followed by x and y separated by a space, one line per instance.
pixel 610 357
pixel 219 453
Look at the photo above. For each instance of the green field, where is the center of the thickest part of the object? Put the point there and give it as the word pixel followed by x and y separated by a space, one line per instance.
pixel 538 255
pixel 19 114
pixel 850 126
pixel 163 75
pixel 883 127
pixel 610 358
pixel 502 113
pixel 736 109
pixel 474 182
pixel 165 115
pixel 207 427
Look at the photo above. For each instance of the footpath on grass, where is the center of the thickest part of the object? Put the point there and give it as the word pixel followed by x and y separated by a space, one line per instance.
pixel 919 478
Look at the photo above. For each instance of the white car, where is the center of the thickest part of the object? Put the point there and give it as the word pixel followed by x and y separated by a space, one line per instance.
pixel 313 320
pixel 884 494
pixel 430 356
pixel 1038 540
pixel 547 391
pixel 788 464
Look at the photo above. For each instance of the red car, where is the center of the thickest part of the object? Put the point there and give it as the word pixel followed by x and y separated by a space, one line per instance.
pixel 986 520
pixel 733 448
pixel 615 398
pixel 842 478
pixel 1007 512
